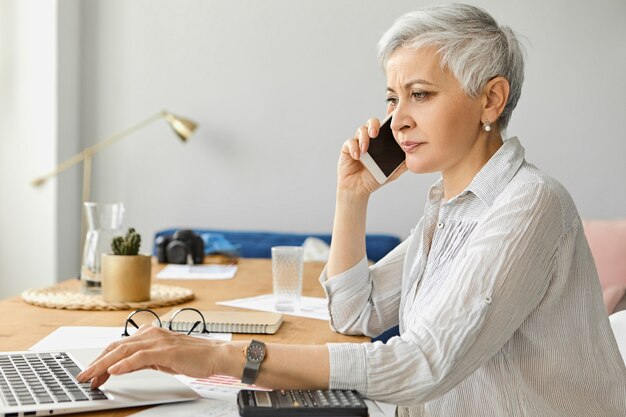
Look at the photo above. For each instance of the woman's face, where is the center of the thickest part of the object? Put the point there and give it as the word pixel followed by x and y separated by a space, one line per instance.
pixel 435 122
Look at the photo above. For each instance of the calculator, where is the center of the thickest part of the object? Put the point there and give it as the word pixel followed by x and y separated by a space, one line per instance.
pixel 296 403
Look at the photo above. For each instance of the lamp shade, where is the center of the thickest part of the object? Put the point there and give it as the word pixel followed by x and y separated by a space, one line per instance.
pixel 183 128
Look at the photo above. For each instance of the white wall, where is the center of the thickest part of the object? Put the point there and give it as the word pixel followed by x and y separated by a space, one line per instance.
pixel 39 85
pixel 27 144
pixel 278 85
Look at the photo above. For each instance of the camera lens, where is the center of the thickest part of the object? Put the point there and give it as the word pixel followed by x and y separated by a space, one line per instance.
pixel 177 252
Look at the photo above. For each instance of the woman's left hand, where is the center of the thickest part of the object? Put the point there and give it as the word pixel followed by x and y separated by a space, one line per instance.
pixel 154 348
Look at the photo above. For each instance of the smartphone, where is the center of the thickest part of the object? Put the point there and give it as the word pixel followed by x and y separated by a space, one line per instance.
pixel 384 154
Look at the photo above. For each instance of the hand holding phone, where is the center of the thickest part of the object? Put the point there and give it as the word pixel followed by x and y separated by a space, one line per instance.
pixel 384 155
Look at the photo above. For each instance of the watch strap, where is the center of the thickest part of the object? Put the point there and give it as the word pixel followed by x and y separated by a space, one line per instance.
pixel 250 372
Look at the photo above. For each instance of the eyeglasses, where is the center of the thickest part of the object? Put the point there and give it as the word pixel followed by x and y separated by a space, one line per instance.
pixel 176 323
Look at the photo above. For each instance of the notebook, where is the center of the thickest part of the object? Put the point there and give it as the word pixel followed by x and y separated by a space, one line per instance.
pixel 227 321
pixel 43 383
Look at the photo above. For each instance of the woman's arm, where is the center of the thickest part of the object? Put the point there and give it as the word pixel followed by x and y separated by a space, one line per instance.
pixel 365 299
pixel 354 186
pixel 348 242
pixel 285 366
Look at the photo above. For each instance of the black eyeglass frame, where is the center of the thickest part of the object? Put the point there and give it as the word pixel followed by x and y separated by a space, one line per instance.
pixel 130 320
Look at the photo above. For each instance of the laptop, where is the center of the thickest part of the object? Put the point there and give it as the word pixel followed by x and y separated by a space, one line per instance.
pixel 44 383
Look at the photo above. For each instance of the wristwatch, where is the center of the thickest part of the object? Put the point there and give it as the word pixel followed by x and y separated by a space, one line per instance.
pixel 254 353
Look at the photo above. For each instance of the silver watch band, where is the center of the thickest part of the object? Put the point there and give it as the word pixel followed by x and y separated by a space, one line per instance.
pixel 250 372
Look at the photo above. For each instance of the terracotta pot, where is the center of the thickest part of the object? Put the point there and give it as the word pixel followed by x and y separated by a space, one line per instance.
pixel 125 278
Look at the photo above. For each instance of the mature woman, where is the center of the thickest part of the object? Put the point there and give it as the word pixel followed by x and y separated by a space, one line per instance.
pixel 495 291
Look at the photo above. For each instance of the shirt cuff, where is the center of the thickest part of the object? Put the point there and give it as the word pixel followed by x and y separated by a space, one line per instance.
pixel 348 366
pixel 347 284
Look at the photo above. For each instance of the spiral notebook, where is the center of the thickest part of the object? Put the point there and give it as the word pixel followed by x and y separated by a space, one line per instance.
pixel 227 321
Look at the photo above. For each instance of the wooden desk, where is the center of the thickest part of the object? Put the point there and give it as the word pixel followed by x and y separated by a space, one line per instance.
pixel 22 324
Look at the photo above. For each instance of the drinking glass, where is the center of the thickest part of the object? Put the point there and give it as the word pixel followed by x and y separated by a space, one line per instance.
pixel 287 264
pixel 104 222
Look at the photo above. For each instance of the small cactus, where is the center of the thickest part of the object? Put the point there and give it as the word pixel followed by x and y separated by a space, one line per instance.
pixel 127 245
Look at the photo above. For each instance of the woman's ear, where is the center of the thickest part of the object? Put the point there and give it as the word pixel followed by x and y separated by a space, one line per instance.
pixel 495 96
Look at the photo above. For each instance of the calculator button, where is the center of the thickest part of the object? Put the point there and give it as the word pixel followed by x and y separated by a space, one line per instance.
pixel 321 398
pixel 282 400
pixel 302 399
pixel 262 399
pixel 311 398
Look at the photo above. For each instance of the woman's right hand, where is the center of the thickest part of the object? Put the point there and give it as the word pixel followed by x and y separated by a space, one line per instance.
pixel 351 173
pixel 158 349
pixel 354 186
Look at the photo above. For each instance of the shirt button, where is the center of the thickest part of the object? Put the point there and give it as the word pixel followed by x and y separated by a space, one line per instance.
pixel 488 300
pixel 440 225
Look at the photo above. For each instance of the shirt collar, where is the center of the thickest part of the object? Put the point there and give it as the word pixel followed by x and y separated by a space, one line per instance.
pixel 492 178
pixel 498 171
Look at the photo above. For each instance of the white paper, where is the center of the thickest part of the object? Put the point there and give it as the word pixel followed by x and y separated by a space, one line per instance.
pixel 87 337
pixel 388 410
pixel 310 307
pixel 208 272
pixel 198 408
pixel 217 387
pixel 372 409
pixel 79 337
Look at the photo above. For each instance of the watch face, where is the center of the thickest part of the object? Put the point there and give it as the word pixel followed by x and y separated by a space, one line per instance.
pixel 255 352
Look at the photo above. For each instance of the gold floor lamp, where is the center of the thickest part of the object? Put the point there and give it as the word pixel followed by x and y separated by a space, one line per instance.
pixel 183 128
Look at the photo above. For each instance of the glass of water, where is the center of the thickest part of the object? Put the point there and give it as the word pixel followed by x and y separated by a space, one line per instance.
pixel 287 265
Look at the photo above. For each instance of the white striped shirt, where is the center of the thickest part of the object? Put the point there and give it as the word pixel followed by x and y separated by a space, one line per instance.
pixel 498 302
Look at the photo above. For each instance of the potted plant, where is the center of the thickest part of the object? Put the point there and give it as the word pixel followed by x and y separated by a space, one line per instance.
pixel 125 273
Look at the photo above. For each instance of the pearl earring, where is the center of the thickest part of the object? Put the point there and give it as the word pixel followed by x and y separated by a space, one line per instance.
pixel 487 126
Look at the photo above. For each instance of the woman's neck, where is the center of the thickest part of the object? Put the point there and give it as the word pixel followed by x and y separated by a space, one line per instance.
pixel 456 179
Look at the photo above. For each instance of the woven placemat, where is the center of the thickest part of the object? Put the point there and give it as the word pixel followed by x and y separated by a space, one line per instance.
pixel 72 299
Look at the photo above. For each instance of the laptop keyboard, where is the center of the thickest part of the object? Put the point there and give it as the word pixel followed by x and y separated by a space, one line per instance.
pixel 42 378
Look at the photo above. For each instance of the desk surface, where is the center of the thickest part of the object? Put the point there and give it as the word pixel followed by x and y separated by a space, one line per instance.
pixel 22 324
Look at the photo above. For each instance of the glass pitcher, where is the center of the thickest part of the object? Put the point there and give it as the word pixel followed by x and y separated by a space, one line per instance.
pixel 104 222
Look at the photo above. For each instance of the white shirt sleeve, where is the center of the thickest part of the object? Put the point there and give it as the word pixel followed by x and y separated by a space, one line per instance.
pixel 364 300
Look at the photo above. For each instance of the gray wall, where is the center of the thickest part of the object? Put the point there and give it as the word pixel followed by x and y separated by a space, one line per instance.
pixel 277 86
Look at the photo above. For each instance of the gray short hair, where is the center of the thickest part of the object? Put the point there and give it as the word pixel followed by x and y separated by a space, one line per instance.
pixel 470 43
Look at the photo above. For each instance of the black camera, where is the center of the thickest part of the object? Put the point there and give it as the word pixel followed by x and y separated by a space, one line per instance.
pixel 175 249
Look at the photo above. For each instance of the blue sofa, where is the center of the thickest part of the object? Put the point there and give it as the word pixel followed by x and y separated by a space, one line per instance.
pixel 258 244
